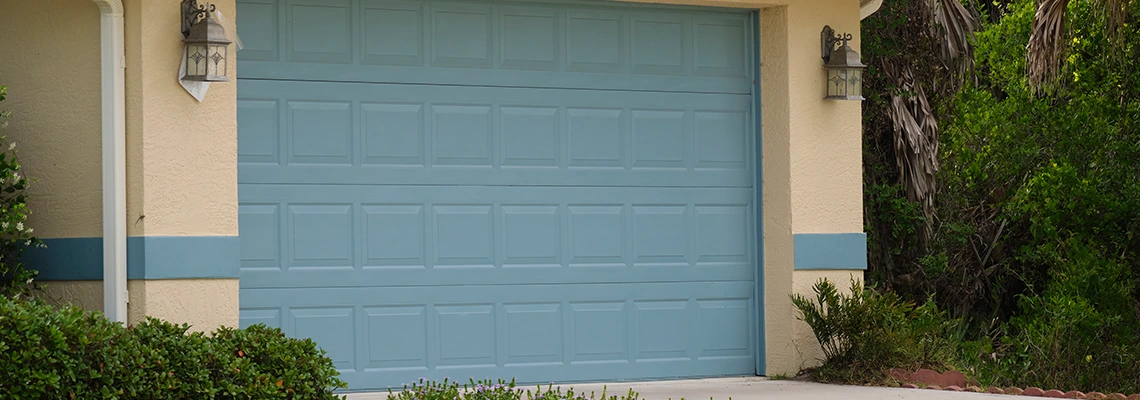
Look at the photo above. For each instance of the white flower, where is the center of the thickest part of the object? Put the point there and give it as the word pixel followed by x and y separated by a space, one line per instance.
pixel 30 230
pixel 4 225
pixel 28 243
pixel 12 146
pixel 28 282
pixel 19 226
pixel 15 176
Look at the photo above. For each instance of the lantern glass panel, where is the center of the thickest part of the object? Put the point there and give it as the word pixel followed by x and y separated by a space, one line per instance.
pixel 837 82
pixel 855 83
pixel 216 61
pixel 197 62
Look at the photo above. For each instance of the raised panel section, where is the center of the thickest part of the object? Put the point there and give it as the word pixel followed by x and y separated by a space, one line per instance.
pixel 596 137
pixel 600 332
pixel 532 235
pixel 258 131
pixel 393 133
pixel 463 135
pixel 321 236
pixel 258 29
pixel 463 235
pixel 597 235
pixel 461 35
pixel 660 44
pixel 663 329
pixel 393 32
pixel 261 235
pixel 530 38
pixel 333 329
pixel 466 334
pixel 320 31
pixel 320 132
pixel 596 41
pixel 661 234
pixel 271 317
pixel 396 336
pixel 722 234
pixel 394 236
pixel 534 333
pixel 659 138
pixel 721 140
pixel 723 327
pixel 718 41
pixel 529 136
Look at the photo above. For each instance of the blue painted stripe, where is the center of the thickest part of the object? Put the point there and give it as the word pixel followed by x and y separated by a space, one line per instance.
pixel 148 257
pixel 830 251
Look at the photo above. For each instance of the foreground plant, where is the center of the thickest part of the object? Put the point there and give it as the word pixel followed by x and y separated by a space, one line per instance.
pixel 16 279
pixel 487 389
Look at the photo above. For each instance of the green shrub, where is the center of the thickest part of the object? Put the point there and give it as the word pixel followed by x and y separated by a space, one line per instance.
pixel 494 390
pixel 867 332
pixel 15 235
pixel 66 353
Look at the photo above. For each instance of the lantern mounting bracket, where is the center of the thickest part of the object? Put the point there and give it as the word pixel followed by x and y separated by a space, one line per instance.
pixel 827 40
pixel 192 12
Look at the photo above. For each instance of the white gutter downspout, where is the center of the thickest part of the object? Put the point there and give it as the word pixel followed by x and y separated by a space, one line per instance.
pixel 868 7
pixel 112 45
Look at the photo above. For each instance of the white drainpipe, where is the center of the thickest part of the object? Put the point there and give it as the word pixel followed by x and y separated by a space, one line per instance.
pixel 113 63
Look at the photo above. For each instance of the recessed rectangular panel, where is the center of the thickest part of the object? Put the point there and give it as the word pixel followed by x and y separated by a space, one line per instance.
pixel 596 137
pixel 529 136
pixel 463 235
pixel 532 235
pixel 722 234
pixel 320 132
pixel 393 235
pixel 261 235
pixel 393 133
pixel 663 329
pixel 271 317
pixel 723 329
pixel 534 333
pixel 596 41
pixel 721 139
pixel 461 35
pixel 660 44
pixel 258 30
pixel 320 31
pixel 333 329
pixel 659 138
pixel 396 336
pixel 258 131
pixel 717 43
pixel 463 135
pixel 321 235
pixel 600 331
pixel 529 38
pixel 393 32
pixel 466 334
pixel 597 234
pixel 661 234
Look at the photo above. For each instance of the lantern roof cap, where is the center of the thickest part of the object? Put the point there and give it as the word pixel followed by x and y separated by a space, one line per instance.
pixel 207 30
pixel 844 57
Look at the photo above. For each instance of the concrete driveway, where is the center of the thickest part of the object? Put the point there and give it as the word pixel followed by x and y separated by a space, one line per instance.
pixel 751 388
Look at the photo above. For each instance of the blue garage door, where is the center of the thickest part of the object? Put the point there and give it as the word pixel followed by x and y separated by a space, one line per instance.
pixel 548 191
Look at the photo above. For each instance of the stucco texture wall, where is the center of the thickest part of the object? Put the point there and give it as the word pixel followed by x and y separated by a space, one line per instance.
pixel 205 304
pixel 49 59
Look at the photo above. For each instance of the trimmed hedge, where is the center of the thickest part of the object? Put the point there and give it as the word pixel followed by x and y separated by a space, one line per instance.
pixel 67 353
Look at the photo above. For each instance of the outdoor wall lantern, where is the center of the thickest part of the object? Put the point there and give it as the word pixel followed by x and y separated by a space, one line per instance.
pixel 206 43
pixel 844 70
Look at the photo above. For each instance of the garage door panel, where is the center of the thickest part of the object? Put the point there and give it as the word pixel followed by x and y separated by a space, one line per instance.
pixel 440 235
pixel 406 134
pixel 567 332
pixel 495 44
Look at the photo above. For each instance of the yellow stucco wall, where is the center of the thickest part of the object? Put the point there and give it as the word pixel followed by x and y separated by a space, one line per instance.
pixel 49 59
pixel 205 304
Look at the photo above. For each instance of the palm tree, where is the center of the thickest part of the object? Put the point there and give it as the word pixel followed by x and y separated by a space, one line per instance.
pixel 1050 34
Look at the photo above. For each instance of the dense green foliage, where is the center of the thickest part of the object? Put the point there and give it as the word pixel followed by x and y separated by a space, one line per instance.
pixel 494 390
pixel 66 353
pixel 1036 244
pixel 866 331
pixel 15 235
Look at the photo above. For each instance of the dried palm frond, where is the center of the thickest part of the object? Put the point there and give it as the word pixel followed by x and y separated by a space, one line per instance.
pixel 1045 52
pixel 916 145
pixel 953 25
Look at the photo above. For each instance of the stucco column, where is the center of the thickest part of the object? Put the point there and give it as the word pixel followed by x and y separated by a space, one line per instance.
pixel 813 214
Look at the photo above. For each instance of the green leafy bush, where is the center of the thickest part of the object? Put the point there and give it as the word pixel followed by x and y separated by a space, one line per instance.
pixel 15 235
pixel 494 390
pixel 66 353
pixel 867 332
